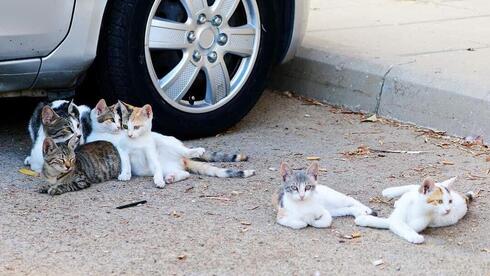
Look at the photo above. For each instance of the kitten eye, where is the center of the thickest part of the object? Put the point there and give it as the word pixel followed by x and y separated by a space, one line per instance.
pixel 136 127
pixel 440 201
pixel 294 188
pixel 125 126
pixel 450 201
pixel 307 187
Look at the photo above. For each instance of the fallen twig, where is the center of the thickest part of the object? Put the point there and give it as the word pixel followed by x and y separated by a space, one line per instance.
pixel 215 197
pixel 131 204
pixel 399 151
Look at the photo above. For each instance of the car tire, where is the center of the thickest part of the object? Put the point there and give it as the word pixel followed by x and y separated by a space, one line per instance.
pixel 123 71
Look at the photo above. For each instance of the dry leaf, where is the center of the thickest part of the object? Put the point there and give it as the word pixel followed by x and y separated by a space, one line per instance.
pixel 311 158
pixel 371 119
pixel 485 250
pixel 378 262
pixel 235 193
pixel 361 150
pixel 28 172
pixel 307 115
pixel 446 162
pixel 323 170
pixel 245 223
pixel 487 159
pixel 356 235
pixel 272 169
pixel 182 257
pixel 175 214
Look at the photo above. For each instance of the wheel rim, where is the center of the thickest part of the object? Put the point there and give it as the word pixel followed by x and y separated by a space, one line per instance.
pixel 206 40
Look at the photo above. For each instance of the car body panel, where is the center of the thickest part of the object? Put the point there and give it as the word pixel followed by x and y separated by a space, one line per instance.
pixel 18 74
pixel 33 28
pixel 299 22
pixel 64 65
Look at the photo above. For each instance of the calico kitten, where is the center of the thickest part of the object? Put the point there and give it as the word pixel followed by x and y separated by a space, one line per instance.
pixel 68 170
pixel 153 154
pixel 458 203
pixel 428 205
pixel 301 201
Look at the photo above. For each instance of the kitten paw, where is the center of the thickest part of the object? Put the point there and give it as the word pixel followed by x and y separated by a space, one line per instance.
pixel 197 152
pixel 124 176
pixel 169 178
pixel 54 191
pixel 27 161
pixel 416 239
pixel 159 182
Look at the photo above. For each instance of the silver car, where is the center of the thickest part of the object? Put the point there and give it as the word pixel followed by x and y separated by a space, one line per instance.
pixel 202 64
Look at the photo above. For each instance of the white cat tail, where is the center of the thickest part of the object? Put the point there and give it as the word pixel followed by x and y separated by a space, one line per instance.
pixel 393 192
pixel 209 170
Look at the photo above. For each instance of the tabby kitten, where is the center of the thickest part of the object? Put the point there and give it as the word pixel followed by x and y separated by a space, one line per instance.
pixel 68 170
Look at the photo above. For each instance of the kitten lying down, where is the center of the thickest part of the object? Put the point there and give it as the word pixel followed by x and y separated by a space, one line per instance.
pixel 428 205
pixel 302 202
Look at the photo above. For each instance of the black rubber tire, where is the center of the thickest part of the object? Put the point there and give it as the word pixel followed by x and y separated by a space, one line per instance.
pixel 122 72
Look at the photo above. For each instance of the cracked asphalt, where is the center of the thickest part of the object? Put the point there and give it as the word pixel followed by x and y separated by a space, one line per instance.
pixel 210 226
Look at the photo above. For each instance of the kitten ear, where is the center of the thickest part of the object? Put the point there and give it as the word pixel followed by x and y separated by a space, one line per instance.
pixel 48 115
pixel 148 111
pixel 73 142
pixel 73 109
pixel 448 183
pixel 312 170
pixel 48 145
pixel 427 186
pixel 285 171
pixel 100 106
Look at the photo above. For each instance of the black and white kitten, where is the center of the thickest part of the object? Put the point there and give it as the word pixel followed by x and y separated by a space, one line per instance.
pixel 60 120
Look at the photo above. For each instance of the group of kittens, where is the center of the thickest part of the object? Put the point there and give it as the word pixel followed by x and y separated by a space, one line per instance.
pixel 74 147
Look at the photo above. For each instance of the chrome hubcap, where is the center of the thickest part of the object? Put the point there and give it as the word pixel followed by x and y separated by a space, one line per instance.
pixel 199 37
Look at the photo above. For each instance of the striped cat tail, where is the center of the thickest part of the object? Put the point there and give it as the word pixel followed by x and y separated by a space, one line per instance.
pixel 222 157
pixel 201 168
pixel 469 196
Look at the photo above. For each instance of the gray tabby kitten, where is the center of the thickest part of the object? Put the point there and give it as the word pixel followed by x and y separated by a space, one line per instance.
pixel 68 170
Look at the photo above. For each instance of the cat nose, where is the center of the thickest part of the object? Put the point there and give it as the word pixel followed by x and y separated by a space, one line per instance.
pixel 301 197
pixel 448 211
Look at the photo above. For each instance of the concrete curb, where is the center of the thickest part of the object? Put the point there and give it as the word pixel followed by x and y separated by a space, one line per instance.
pixel 396 91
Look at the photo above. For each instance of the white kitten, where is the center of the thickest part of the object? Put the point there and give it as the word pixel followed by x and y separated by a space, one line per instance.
pixel 428 205
pixel 302 202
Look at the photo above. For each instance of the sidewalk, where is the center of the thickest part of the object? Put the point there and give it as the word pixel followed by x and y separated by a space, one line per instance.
pixel 423 62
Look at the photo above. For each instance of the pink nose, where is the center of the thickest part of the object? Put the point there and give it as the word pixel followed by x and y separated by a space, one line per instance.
pixel 301 197
pixel 448 211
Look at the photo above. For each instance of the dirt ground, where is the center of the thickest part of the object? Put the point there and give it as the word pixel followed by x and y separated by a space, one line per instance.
pixel 209 226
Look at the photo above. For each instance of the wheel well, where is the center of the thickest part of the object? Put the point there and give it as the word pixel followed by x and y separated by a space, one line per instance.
pixel 284 26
